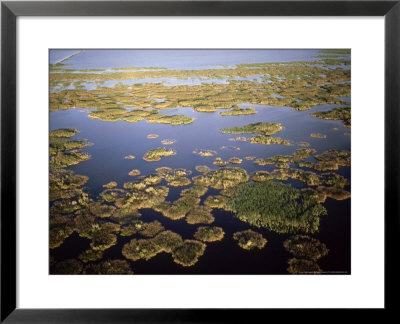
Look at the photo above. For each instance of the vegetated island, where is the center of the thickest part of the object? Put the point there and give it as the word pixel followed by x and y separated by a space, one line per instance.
pixel 338 113
pixel 277 207
pixel 157 154
pixel 254 128
pixel 250 239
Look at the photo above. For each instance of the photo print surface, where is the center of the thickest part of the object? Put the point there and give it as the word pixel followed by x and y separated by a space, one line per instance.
pixel 199 161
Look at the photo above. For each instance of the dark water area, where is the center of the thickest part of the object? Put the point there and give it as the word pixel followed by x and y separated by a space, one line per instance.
pixel 226 257
pixel 112 141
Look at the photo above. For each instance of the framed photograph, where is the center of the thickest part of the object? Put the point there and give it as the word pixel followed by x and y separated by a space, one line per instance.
pixel 197 160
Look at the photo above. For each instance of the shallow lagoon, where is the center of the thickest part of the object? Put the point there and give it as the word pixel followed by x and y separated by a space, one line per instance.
pixel 115 140
pixel 178 59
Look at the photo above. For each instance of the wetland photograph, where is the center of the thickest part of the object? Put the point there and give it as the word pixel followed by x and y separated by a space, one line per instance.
pixel 200 161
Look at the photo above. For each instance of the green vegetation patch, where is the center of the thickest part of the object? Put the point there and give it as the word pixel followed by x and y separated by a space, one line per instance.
pixel 101 210
pixel 90 255
pixel 109 267
pixel 329 160
pixel 298 156
pixel 297 83
pixel 134 172
pixel 249 239
pixel 146 249
pixel 204 152
pixel 281 165
pixel 342 158
pixel 142 195
pixel 188 253
pixel 310 178
pixel 152 229
pixel 169 119
pixel 261 176
pixel 303 266
pixel 237 111
pixel 58 147
pixel 177 180
pixel 209 234
pixel 335 61
pixel 131 229
pixel 67 267
pixel 277 207
pixel 222 178
pixel 320 197
pixel 336 51
pixel 63 160
pixel 65 184
pixel 303 144
pixel 255 128
pixel 339 113
pixel 318 135
pixel 103 237
pixel 195 191
pixel 125 216
pixel 167 241
pixel 85 224
pixel 336 193
pixel 64 206
pixel 140 249
pixel 321 166
pixel 267 140
pixel 331 179
pixel 235 160
pixel 217 201
pixel 179 208
pixel 110 185
pixel 64 132
pixel 174 177
pixel 157 154
pixel 111 195
pixel 116 113
pixel 202 168
pixel 200 215
pixel 219 162
pixel 58 144
pixel 61 227
pixel 205 109
pixel 163 171
pixel 305 247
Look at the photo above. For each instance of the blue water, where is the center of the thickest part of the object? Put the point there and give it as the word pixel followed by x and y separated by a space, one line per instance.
pixel 114 140
pixel 177 59
pixel 56 56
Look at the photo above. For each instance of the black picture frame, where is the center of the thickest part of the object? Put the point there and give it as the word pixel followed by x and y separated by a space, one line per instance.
pixel 10 10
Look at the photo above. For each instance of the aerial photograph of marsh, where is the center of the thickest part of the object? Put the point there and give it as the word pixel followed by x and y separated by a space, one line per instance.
pixel 199 161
